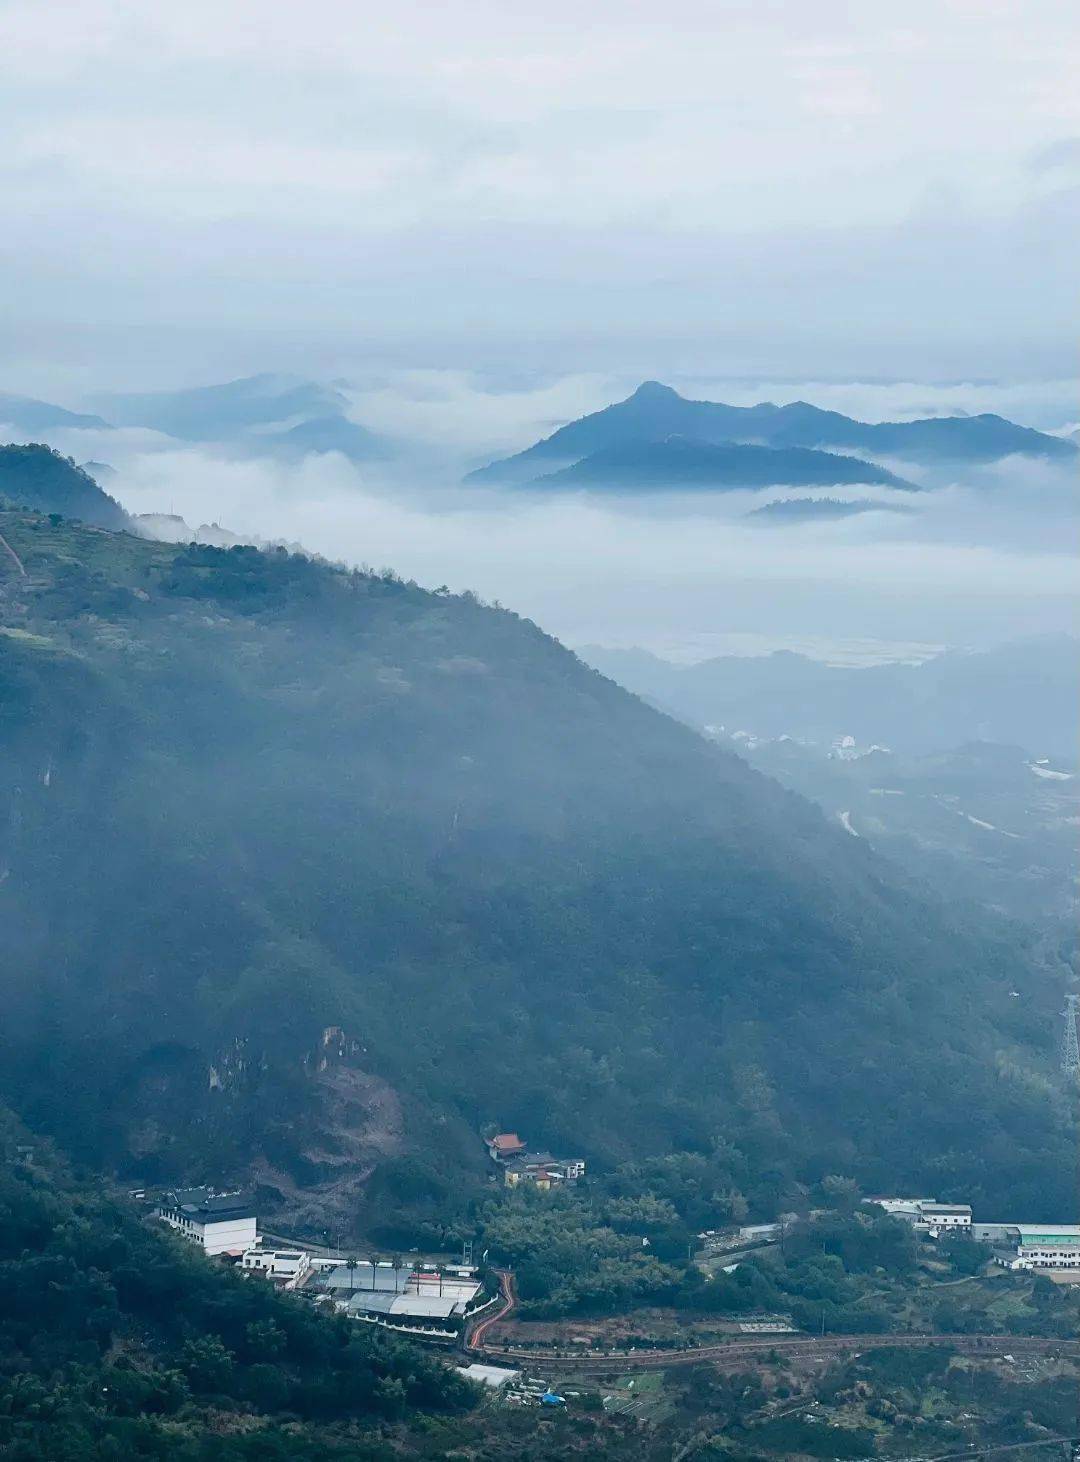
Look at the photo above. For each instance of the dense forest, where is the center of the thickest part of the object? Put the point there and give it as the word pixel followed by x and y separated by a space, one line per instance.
pixel 248 797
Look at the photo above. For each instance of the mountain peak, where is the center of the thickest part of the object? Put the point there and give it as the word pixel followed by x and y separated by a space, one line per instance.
pixel 655 391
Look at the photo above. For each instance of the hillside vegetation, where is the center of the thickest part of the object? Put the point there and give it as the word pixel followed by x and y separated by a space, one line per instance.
pixel 37 477
pixel 120 1341
pixel 247 796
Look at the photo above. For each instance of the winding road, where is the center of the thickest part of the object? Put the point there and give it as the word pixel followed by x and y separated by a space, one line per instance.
pixel 474 1341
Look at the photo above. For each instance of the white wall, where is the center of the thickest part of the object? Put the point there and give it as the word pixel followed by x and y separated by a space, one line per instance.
pixel 239 1233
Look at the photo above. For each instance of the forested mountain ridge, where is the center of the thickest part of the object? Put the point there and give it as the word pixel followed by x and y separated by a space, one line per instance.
pixel 248 796
pixel 36 477
pixel 655 412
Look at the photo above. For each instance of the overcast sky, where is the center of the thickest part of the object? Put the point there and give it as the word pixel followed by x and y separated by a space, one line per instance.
pixel 201 189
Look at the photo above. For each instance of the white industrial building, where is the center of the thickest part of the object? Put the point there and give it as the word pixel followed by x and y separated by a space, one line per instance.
pixel 220 1223
pixel 286 1264
pixel 937 1217
pixel 945 1215
pixel 1048 1246
pixel 420 1300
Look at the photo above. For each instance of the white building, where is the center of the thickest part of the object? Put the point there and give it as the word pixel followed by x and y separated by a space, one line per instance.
pixel 1048 1246
pixel 900 1207
pixel 220 1223
pixel 492 1376
pixel 945 1215
pixel 289 1264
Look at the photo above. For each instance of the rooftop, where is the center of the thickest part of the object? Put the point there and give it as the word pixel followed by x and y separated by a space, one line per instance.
pixel 385 1278
pixel 507 1142
pixel 411 1306
pixel 488 1375
pixel 202 1205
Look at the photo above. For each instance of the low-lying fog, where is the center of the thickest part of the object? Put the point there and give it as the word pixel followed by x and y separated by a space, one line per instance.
pixel 981 556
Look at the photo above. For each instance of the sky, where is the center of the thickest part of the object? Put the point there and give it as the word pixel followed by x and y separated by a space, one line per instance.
pixel 773 187
pixel 483 220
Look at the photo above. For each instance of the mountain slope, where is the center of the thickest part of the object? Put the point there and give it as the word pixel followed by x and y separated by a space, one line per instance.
pixel 247 798
pixel 331 434
pixel 676 463
pixel 37 477
pixel 655 412
pixel 29 415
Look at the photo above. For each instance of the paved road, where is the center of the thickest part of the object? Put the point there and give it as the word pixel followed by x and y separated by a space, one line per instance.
pixel 475 1338
pixel 749 1348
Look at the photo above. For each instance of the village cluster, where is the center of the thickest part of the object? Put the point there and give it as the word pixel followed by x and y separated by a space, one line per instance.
pixel 429 1300
pixel 407 1295
pixel 539 1169
pixel 434 1301
pixel 1051 1247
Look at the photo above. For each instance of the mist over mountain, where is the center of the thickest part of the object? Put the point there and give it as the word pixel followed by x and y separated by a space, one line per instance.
pixel 809 510
pixel 330 434
pixel 29 415
pixel 982 821
pixel 1022 694
pixel 678 463
pixel 392 988
pixel 249 797
pixel 222 412
pixel 656 412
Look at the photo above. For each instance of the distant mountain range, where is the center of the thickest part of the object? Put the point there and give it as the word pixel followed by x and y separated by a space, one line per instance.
pixel 267 414
pixel 35 476
pixel 334 433
pixel 1022 694
pixel 219 412
pixel 679 462
pixel 656 413
pixel 28 415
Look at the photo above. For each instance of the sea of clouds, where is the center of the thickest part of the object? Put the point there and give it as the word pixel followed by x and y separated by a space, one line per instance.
pixel 981 556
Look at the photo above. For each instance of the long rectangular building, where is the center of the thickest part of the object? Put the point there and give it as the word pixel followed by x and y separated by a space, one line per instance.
pixel 1048 1246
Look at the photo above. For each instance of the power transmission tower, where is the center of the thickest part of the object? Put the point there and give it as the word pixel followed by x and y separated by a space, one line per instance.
pixel 1070 1048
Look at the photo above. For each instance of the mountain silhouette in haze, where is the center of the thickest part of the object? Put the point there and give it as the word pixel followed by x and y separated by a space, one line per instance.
pixel 221 412
pixel 655 413
pixel 678 462
pixel 26 414
pixel 331 434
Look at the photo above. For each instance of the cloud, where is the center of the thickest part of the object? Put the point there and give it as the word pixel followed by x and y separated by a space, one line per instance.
pixel 742 186
pixel 1064 154
pixel 977 562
